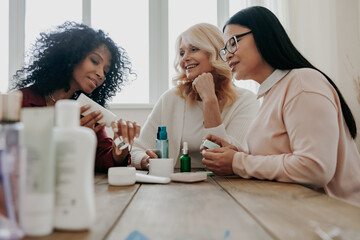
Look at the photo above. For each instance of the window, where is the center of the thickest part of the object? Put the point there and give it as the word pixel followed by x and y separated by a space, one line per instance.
pixel 146 29
pixel 189 16
pixel 42 15
pixel 127 23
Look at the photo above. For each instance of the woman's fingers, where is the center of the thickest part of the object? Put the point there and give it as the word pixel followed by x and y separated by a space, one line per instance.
pixel 219 160
pixel 151 153
pixel 123 130
pixel 127 130
pixel 91 119
pixel 145 163
pixel 84 108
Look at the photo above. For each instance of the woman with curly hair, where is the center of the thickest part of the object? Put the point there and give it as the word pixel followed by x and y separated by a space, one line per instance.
pixel 204 100
pixel 74 59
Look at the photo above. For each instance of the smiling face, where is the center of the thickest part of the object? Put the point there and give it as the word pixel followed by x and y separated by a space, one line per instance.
pixel 246 62
pixel 193 61
pixel 90 73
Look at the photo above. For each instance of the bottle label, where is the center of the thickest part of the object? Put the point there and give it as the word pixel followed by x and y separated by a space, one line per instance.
pixel 185 163
pixel 162 146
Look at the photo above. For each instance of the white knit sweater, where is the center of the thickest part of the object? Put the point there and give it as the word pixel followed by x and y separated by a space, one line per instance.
pixel 169 111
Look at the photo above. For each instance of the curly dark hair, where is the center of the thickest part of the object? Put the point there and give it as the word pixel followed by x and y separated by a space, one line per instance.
pixel 55 55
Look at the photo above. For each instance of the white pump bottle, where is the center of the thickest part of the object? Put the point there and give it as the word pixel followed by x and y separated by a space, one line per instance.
pixel 75 148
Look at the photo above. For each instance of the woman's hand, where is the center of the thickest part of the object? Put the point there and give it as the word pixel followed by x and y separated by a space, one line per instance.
pixel 218 141
pixel 91 119
pixel 145 161
pixel 219 160
pixel 126 131
pixel 204 85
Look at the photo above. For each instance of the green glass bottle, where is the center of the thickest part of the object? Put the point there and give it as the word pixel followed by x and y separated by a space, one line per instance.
pixel 185 159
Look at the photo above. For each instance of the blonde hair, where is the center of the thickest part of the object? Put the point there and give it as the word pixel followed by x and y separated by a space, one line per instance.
pixel 206 37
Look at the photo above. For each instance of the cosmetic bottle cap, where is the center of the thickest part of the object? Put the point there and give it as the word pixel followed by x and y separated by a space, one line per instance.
pixel 185 149
pixel 11 106
pixel 162 134
pixel 67 113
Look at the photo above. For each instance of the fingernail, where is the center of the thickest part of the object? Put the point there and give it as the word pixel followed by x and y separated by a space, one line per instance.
pixel 117 142
pixel 115 129
pixel 131 125
pixel 123 122
pixel 97 112
pixel 126 140
pixel 137 135
pixel 203 151
pixel 99 117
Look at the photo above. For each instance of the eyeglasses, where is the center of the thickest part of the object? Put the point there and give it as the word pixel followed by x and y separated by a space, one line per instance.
pixel 231 45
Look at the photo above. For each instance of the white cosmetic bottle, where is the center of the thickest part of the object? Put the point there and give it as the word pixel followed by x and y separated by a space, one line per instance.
pixel 75 148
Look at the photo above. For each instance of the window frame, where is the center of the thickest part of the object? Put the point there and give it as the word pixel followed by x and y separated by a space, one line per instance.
pixel 158 43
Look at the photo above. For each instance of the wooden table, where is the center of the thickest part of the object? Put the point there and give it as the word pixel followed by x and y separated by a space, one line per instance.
pixel 218 208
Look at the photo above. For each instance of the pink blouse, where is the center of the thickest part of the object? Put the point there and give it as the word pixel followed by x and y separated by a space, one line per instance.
pixel 300 136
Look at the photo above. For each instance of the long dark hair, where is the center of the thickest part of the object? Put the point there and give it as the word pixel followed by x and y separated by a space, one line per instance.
pixel 277 49
pixel 55 55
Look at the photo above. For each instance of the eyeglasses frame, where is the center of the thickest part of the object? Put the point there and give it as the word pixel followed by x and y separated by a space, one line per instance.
pixel 224 49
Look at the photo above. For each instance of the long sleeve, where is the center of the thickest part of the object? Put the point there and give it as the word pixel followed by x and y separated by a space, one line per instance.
pixel 237 119
pixel 312 160
pixel 300 135
pixel 170 111
pixel 147 136
pixel 104 159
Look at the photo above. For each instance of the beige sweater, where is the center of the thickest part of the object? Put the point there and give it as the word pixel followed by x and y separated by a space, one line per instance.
pixel 170 110
pixel 300 136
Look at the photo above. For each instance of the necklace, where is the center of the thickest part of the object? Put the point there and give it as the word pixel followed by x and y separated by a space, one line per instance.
pixel 52 98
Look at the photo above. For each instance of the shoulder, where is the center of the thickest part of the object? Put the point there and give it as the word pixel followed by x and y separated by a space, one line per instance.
pixel 32 99
pixel 170 92
pixel 309 80
pixel 242 92
pixel 302 73
pixel 246 100
pixel 170 95
pixel 244 95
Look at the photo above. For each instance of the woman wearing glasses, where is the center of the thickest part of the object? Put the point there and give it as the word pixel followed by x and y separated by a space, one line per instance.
pixel 304 131
pixel 204 101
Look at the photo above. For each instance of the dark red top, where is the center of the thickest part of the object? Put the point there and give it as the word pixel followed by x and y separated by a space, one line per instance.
pixel 103 159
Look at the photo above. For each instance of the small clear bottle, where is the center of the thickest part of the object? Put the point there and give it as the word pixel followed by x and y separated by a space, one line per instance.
pixel 185 159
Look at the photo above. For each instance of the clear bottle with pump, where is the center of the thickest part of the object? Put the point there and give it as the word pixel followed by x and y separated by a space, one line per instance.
pixel 162 142
pixel 75 148
pixel 185 159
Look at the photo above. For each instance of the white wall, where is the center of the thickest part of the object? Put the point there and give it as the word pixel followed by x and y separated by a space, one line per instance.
pixel 348 46
pixel 138 115
pixel 327 32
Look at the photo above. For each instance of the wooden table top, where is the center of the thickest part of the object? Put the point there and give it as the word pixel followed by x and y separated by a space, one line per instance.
pixel 218 208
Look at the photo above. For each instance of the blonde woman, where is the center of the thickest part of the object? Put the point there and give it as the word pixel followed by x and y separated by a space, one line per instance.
pixel 204 101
